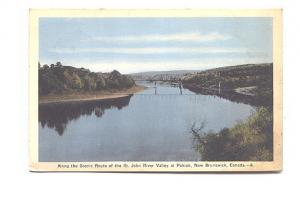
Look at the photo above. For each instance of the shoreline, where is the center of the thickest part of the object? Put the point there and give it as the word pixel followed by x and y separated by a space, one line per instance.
pixel 239 95
pixel 90 96
pixel 239 90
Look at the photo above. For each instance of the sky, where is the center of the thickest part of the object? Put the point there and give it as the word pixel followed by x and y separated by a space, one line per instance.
pixel 132 45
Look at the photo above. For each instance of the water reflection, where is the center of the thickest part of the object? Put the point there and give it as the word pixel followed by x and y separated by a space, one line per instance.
pixel 180 88
pixel 57 115
pixel 150 128
pixel 159 87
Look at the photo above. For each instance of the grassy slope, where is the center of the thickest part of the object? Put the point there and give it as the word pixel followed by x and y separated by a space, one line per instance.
pixel 251 140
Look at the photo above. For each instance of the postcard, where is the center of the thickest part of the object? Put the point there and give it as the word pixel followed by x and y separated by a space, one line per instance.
pixel 155 90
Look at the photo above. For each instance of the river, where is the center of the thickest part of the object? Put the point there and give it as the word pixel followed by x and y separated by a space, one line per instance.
pixel 152 125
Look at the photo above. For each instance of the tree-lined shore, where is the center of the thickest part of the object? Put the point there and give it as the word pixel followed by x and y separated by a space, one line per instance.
pixel 255 80
pixel 59 83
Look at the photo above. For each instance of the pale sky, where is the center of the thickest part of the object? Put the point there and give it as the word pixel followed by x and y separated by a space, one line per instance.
pixel 132 45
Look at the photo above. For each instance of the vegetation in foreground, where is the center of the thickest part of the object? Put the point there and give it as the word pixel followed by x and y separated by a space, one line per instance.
pixel 59 79
pixel 251 140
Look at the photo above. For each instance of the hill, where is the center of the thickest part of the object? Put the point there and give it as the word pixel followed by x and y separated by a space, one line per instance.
pixel 250 79
pixel 59 79
pixel 233 76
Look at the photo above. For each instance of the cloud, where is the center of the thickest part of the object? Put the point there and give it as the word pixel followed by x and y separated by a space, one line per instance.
pixel 177 37
pixel 151 50
pixel 139 65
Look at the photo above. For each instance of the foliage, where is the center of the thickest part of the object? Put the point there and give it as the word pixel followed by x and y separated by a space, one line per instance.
pixel 260 75
pixel 251 140
pixel 253 82
pixel 58 79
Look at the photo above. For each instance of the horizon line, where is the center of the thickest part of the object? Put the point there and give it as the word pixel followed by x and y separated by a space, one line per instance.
pixel 163 70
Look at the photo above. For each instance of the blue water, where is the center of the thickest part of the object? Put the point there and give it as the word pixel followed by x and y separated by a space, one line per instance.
pixel 152 125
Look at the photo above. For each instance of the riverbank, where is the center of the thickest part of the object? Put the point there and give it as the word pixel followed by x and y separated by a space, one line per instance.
pixel 89 96
pixel 253 95
pixel 250 140
pixel 253 82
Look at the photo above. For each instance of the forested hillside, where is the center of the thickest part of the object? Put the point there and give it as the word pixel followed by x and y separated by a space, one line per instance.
pixel 249 83
pixel 59 79
pixel 260 75
pixel 255 79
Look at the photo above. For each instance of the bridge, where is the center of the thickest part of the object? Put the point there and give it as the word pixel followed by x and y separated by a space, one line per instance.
pixel 178 82
pixel 174 83
pixel 158 80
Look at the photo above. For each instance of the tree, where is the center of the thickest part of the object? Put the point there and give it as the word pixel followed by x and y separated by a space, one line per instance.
pixel 58 64
pixel 63 79
pixel 45 66
pixel 101 84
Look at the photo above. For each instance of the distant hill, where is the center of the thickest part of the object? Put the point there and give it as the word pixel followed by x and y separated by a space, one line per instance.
pixel 255 80
pixel 233 76
pixel 162 75
pixel 187 74
pixel 58 79
pixel 242 66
